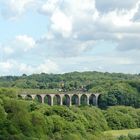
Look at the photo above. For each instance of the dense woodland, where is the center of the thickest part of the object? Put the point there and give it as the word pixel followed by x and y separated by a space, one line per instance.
pixel 29 120
pixel 90 81
pixel 116 88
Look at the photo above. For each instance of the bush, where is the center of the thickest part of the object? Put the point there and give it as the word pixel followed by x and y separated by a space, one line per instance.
pixel 118 118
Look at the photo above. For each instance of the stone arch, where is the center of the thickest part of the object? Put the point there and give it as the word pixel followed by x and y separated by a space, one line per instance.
pixel 66 100
pixel 84 100
pixel 57 100
pixel 28 97
pixel 20 96
pixel 38 98
pixel 47 99
pixel 92 99
pixel 75 99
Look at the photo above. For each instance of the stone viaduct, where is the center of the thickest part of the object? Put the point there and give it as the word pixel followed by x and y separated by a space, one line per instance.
pixel 64 98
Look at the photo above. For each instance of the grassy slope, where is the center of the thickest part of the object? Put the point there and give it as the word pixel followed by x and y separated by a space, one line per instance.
pixel 117 133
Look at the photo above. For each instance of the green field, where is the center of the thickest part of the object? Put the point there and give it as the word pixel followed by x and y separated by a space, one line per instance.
pixel 117 133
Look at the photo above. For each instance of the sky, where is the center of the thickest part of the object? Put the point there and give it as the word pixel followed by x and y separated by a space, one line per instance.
pixel 59 36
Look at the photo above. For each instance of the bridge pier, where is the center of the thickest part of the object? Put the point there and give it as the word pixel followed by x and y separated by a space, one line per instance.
pixel 79 99
pixel 96 100
pixel 70 103
pixel 52 100
pixel 43 98
pixel 61 99
pixel 88 100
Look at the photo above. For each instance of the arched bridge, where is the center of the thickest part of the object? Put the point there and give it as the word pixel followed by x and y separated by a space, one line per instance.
pixel 64 98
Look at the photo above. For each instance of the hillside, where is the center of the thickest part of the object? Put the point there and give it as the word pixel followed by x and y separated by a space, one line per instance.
pixel 70 81
pixel 116 88
pixel 119 105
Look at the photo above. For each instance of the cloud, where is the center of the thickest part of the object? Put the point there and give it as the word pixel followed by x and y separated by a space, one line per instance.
pixel 72 36
pixel 49 6
pixel 136 17
pixel 12 9
pixel 82 20
pixel 90 25
pixel 47 67
pixel 111 5
pixel 65 47
pixel 6 65
pixel 67 21
pixel 113 62
pixel 10 67
pixel 129 43
pixel 25 42
pixel 61 23
pixel 19 47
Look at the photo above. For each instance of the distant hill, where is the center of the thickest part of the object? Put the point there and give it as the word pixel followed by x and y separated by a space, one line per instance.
pixel 71 81
pixel 116 88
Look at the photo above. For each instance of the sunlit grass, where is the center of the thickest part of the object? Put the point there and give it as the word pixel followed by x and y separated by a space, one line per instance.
pixel 117 133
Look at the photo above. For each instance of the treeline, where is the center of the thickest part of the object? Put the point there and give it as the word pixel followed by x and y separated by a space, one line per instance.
pixel 28 120
pixel 90 81
pixel 116 88
pixel 129 137
pixel 120 94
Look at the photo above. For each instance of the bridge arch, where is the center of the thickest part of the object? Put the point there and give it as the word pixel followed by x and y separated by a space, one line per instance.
pixel 75 99
pixel 92 99
pixel 66 100
pixel 100 102
pixel 47 99
pixel 28 97
pixel 20 97
pixel 84 100
pixel 38 98
pixel 56 100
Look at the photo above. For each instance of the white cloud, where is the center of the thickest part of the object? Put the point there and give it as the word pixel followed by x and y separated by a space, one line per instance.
pixel 50 6
pixel 61 23
pixel 83 25
pixel 47 67
pixel 17 48
pixel 75 29
pixel 10 67
pixel 25 42
pixel 14 8
pixel 6 65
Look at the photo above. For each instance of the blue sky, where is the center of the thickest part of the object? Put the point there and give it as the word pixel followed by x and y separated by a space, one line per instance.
pixel 58 36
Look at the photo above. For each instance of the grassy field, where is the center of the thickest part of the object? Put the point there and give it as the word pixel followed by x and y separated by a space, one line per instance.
pixel 117 133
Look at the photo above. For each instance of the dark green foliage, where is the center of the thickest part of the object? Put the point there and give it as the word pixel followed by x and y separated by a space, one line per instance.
pixel 129 137
pixel 28 120
pixel 92 81
pixel 123 138
pixel 116 88
pixel 121 117
pixel 21 119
